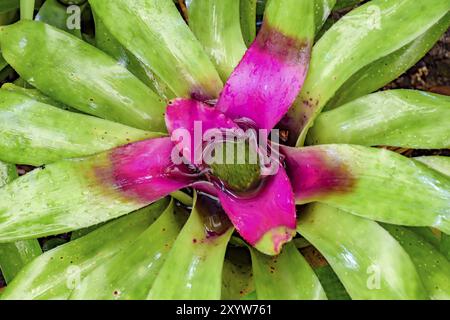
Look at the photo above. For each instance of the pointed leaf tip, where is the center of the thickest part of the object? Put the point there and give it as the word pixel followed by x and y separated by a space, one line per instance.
pixel 273 240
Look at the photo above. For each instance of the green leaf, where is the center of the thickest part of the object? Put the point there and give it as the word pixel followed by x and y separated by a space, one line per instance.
pixel 216 25
pixel 248 20
pixel 14 256
pixel 445 245
pixel 341 4
pixel 3 63
pixel 431 265
pixel 331 284
pixel 237 276
pixel 107 43
pixel 278 15
pixel 22 83
pixel 56 14
pixel 79 75
pixel 368 181
pixel 27 9
pixel 193 268
pixel 183 198
pixel 8 5
pixel 428 234
pixel 56 273
pixel 260 7
pixel 64 196
pixel 35 133
pixel 381 72
pixel 252 296
pixel 321 12
pixel 8 17
pixel 348 47
pixel 8 173
pixel 399 118
pixel 156 34
pixel 369 262
pixel 77 234
pixel 129 274
pixel 36 95
pixel 287 276
pixel 441 164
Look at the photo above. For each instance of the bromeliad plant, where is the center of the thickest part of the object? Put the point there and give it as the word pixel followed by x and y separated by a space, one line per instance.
pixel 101 120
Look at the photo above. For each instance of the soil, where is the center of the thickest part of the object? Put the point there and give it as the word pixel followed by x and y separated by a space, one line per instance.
pixel 432 73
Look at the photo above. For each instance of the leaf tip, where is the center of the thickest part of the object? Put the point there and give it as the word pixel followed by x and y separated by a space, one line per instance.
pixel 273 240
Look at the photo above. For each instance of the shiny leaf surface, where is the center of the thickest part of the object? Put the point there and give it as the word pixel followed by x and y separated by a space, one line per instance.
pixel 79 75
pixel 369 262
pixel 130 273
pixel 56 273
pixel 154 31
pixel 193 268
pixel 35 133
pixel 398 118
pixel 287 276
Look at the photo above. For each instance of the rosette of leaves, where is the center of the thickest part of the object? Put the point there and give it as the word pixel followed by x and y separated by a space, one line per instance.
pixel 93 109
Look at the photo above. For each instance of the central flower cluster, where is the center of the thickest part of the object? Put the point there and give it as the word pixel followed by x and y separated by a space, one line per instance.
pixel 237 160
